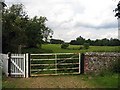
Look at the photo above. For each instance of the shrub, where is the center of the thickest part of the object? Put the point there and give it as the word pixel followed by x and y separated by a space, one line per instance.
pixel 86 45
pixel 64 45
pixel 81 47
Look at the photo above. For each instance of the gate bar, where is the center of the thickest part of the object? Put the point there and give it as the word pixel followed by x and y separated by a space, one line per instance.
pixel 79 62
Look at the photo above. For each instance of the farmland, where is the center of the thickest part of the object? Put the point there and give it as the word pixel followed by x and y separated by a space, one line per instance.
pixel 56 48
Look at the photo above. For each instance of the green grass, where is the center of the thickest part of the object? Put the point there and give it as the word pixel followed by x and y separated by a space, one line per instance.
pixel 79 81
pixel 56 48
pixel 106 81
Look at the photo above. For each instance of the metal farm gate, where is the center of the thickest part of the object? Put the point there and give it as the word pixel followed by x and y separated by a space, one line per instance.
pixel 54 64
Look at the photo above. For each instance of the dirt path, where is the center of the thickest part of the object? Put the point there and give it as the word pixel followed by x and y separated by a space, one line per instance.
pixel 48 82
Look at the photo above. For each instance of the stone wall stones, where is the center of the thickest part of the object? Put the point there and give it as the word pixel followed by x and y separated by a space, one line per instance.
pixel 96 62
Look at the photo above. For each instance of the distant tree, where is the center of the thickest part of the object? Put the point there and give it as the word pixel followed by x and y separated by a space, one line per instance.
pixel 114 42
pixel 56 41
pixel 97 42
pixel 79 41
pixel 105 42
pixel 73 42
pixel 88 41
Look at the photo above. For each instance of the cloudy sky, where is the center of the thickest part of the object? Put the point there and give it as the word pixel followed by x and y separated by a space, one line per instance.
pixel 69 19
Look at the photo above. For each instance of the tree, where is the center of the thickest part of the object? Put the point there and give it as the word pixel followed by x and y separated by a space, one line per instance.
pixel 20 30
pixel 36 31
pixel 117 11
pixel 79 41
pixel 56 41
pixel 13 34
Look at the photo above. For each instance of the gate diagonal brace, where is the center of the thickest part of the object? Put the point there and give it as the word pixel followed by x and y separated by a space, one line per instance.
pixel 17 66
pixel 65 60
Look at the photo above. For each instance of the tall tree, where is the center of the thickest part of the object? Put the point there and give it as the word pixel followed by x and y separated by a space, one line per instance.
pixel 13 33
pixel 117 10
pixel 20 30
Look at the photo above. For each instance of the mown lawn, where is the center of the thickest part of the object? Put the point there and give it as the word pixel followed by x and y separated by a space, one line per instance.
pixel 56 48
pixel 63 81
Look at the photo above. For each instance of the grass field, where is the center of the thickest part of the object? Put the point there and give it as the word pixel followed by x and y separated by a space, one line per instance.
pixel 56 48
pixel 66 81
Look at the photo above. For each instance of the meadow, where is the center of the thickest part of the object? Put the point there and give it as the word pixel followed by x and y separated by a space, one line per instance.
pixel 56 48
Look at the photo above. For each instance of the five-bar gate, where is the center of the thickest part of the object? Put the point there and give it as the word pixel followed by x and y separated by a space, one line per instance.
pixel 54 64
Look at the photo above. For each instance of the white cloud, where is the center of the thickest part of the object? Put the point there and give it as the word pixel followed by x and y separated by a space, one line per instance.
pixel 71 18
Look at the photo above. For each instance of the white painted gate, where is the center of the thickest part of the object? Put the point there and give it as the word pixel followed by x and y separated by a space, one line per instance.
pixel 15 65
pixel 18 65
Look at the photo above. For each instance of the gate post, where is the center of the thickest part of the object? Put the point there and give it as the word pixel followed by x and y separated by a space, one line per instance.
pixel 27 65
pixel 82 63
pixel 9 64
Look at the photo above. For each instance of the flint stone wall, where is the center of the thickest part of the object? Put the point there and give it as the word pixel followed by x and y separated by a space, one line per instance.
pixel 96 62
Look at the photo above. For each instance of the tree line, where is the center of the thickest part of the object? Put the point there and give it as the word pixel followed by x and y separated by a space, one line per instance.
pixel 81 41
pixel 98 42
pixel 19 30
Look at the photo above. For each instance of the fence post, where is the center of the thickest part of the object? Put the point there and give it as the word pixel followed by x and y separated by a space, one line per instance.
pixel 82 63
pixel 27 65
pixel 24 65
pixel 9 64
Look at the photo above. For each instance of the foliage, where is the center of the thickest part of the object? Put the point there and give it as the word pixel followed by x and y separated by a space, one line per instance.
pixel 64 45
pixel 56 41
pixel 117 10
pixel 103 42
pixel 36 50
pixel 86 45
pixel 19 29
pixel 79 41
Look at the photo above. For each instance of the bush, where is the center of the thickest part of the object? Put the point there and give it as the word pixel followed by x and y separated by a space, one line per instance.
pixel 81 47
pixel 64 45
pixel 86 45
